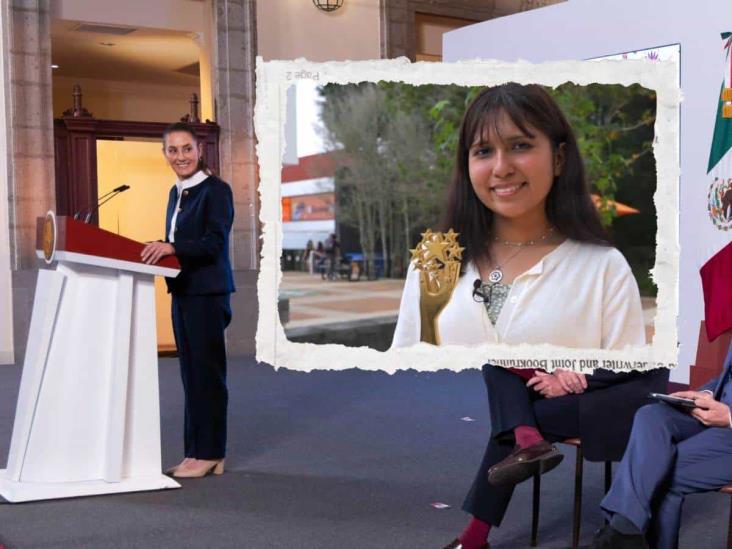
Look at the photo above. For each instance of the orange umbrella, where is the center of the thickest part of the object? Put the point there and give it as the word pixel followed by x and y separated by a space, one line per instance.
pixel 620 208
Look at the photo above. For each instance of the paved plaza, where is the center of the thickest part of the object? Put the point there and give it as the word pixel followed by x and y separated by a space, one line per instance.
pixel 314 301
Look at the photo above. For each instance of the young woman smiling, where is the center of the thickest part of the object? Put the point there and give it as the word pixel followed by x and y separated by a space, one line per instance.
pixel 537 268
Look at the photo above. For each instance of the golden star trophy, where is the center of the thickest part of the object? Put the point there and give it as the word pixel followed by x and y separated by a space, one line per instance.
pixel 437 257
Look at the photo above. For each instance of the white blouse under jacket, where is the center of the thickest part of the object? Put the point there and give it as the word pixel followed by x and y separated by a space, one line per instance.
pixel 579 295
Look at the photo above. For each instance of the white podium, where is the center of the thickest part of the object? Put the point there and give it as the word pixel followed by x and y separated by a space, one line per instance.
pixel 87 420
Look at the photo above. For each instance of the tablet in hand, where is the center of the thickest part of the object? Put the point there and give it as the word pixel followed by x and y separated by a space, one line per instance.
pixel 678 402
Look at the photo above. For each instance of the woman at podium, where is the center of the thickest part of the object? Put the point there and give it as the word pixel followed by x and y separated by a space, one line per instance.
pixel 537 268
pixel 197 225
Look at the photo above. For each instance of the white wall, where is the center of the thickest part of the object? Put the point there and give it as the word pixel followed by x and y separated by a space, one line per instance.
pixel 103 97
pixel 184 15
pixel 582 29
pixel 6 298
pixel 288 29
pixel 118 100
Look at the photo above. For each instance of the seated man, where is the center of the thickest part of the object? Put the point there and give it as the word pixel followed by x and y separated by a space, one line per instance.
pixel 671 453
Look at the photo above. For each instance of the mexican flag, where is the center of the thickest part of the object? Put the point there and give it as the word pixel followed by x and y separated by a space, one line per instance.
pixel 720 158
pixel 717 270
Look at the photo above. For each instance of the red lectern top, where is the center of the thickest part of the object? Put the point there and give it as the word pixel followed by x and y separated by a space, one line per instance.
pixel 66 239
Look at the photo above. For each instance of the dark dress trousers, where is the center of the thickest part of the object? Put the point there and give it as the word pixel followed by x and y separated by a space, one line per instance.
pixel 602 416
pixel 201 310
pixel 671 454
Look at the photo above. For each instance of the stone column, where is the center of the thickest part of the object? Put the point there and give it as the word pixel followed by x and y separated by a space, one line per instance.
pixel 31 190
pixel 235 46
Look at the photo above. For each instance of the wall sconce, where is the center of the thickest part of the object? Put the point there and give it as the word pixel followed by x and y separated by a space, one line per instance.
pixel 328 5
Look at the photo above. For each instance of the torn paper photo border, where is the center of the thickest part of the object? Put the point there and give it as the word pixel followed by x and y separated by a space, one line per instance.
pixel 273 80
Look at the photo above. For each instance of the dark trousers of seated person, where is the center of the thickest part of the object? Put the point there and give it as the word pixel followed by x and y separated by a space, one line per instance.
pixel 670 454
pixel 511 404
pixel 199 322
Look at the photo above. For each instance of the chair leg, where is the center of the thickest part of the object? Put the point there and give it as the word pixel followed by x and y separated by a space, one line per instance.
pixel 535 509
pixel 608 479
pixel 729 529
pixel 577 514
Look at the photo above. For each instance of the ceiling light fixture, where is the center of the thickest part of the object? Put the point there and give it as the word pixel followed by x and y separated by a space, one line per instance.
pixel 328 5
pixel 54 66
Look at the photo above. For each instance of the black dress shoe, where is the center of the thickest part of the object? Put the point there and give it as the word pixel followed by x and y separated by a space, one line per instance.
pixel 455 544
pixel 608 537
pixel 523 463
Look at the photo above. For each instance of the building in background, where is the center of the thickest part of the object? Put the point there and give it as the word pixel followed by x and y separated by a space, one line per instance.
pixel 308 201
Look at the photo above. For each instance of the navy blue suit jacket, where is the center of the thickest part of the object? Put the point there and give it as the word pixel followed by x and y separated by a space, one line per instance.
pixel 202 238
pixel 716 384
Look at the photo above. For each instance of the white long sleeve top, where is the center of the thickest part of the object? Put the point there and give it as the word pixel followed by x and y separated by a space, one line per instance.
pixel 183 185
pixel 579 295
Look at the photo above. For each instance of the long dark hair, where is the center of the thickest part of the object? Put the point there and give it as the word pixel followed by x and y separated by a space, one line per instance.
pixel 569 206
pixel 187 128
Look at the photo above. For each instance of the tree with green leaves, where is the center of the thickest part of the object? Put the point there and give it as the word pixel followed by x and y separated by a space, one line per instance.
pixel 384 157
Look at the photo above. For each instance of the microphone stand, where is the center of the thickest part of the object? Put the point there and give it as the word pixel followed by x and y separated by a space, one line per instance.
pixel 77 213
pixel 104 199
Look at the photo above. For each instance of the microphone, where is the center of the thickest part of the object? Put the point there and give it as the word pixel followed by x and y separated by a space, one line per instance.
pixel 110 196
pixel 116 190
pixel 478 293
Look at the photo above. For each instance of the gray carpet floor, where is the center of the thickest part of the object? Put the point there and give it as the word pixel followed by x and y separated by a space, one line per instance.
pixel 325 460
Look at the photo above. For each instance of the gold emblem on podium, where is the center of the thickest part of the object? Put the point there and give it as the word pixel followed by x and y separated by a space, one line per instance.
pixel 437 257
pixel 49 236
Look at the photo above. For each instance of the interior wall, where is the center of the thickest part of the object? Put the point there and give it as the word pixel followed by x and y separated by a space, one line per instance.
pixel 6 297
pixel 185 15
pixel 288 30
pixel 604 27
pixel 138 213
pixel 117 100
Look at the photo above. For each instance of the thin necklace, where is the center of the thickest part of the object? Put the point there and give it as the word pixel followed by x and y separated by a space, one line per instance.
pixel 496 275
pixel 542 238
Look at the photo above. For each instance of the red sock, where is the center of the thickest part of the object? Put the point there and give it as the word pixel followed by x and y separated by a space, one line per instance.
pixel 475 534
pixel 527 435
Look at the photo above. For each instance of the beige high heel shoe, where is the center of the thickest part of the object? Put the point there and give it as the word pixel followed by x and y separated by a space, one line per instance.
pixel 174 468
pixel 197 468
